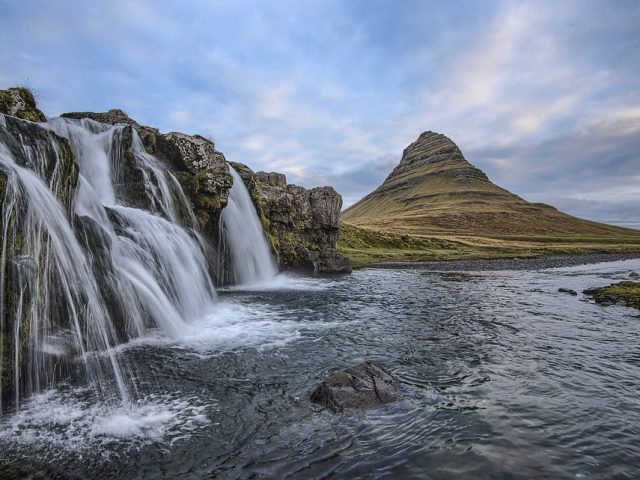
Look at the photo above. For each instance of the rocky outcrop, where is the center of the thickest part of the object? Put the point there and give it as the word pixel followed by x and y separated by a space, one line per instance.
pixel 19 102
pixel 200 168
pixel 301 224
pixel 361 387
pixel 623 293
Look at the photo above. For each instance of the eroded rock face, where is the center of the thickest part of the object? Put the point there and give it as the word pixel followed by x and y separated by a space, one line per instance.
pixel 203 173
pixel 42 151
pixel 19 102
pixel 38 149
pixel 363 386
pixel 302 225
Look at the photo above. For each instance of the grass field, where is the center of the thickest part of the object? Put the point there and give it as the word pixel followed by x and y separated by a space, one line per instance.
pixel 365 246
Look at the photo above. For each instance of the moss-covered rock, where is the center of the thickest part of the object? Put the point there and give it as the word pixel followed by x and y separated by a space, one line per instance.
pixel 301 225
pixel 20 102
pixel 627 293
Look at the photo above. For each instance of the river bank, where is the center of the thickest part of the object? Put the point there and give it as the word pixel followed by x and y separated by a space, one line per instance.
pixel 538 263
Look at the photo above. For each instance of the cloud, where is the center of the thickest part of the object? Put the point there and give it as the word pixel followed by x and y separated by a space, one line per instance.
pixel 332 91
pixel 592 172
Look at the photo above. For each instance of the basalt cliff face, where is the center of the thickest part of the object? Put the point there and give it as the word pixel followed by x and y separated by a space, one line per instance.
pixel 301 224
pixel 435 190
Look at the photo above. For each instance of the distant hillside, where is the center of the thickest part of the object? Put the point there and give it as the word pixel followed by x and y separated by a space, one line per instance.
pixel 435 191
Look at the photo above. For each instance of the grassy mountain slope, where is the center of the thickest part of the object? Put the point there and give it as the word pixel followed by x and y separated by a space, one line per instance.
pixel 435 191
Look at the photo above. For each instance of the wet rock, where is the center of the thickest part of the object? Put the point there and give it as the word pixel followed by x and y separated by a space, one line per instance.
pixel 634 275
pixel 567 290
pixel 301 224
pixel 363 386
pixel 41 150
pixel 116 116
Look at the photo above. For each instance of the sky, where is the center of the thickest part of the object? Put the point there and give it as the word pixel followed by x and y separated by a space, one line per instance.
pixel 544 96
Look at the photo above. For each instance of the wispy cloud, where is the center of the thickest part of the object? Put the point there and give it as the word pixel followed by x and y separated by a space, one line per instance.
pixel 544 96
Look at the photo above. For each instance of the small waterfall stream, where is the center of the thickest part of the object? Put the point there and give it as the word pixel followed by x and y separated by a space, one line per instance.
pixel 251 259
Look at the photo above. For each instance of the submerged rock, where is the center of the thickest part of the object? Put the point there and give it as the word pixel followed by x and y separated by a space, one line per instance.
pixel 363 386
pixel 301 224
pixel 567 290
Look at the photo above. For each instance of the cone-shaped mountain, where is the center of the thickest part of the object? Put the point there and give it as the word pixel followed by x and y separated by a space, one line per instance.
pixel 434 190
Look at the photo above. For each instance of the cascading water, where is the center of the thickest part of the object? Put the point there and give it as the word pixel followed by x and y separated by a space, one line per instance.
pixel 54 303
pixel 243 237
pixel 80 276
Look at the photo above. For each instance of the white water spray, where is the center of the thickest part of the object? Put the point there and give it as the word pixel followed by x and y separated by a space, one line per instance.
pixel 77 281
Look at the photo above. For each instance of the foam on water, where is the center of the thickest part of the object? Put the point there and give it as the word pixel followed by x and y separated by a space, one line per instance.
pixel 227 326
pixel 284 281
pixel 63 421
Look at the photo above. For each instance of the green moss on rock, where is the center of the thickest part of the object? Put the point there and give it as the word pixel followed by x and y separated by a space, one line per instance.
pixel 626 292
pixel 20 102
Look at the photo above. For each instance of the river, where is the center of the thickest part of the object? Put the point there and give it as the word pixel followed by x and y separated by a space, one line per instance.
pixel 501 376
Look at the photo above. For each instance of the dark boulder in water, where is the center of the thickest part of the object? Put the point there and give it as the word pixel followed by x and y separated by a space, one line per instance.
pixel 363 386
pixel 591 290
pixel 567 290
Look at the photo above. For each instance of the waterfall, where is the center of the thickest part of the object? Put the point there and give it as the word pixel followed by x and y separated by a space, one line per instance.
pixel 57 307
pixel 85 269
pixel 243 237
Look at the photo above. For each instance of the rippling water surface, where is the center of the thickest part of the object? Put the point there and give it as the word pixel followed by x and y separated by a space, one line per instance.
pixel 502 377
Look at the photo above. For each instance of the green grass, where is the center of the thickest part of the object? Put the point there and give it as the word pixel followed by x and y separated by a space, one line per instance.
pixel 365 246
pixel 627 292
